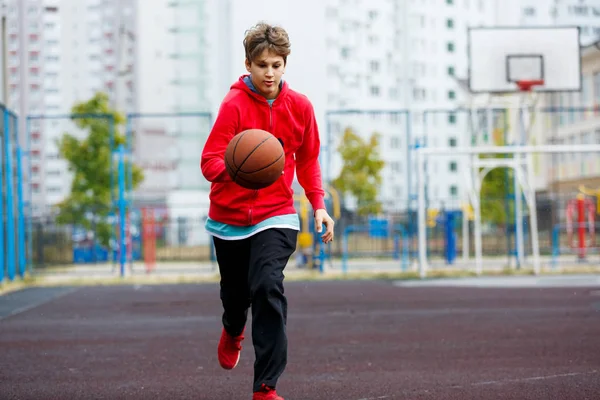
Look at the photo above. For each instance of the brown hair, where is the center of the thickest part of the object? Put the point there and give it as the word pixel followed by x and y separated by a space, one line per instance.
pixel 264 36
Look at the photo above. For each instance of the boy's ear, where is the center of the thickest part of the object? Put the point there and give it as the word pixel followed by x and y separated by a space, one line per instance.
pixel 247 62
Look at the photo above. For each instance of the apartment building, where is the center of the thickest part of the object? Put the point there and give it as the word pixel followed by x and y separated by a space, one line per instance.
pixel 60 53
pixel 178 71
pixel 576 121
pixel 582 13
pixel 400 55
pixel 180 56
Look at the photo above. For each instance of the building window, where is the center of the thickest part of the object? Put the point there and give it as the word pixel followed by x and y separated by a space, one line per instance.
pixel 453 166
pixel 451 71
pixel 375 91
pixel 450 47
pixel 374 66
pixel 452 142
pixel 453 191
pixel 450 2
pixel 451 95
pixel 452 118
pixel 450 23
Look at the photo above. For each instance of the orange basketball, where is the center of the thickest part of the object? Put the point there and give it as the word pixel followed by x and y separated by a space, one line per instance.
pixel 254 159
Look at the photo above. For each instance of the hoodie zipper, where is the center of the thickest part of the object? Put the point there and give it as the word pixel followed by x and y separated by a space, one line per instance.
pixel 255 194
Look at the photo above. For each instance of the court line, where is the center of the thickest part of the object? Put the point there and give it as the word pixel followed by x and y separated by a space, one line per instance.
pixel 39 303
pixel 496 382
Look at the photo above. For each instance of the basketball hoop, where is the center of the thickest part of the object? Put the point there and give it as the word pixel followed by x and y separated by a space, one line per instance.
pixel 527 85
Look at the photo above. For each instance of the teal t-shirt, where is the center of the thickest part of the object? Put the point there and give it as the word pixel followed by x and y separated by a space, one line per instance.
pixel 232 232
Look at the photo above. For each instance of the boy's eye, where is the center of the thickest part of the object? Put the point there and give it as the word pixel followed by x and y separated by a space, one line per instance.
pixel 265 66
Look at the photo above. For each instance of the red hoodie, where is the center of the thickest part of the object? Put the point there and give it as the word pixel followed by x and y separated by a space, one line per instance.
pixel 291 119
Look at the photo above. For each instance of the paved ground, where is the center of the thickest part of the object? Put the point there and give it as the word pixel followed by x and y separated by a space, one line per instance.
pixel 348 341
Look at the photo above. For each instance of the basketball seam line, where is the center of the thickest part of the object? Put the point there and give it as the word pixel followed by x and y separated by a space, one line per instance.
pixel 249 154
pixel 260 169
pixel 237 169
pixel 235 148
pixel 228 167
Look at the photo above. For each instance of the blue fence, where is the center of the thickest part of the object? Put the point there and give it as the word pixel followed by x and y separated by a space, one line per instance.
pixel 12 210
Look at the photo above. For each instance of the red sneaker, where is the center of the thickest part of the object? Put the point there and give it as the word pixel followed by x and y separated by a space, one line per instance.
pixel 266 393
pixel 229 350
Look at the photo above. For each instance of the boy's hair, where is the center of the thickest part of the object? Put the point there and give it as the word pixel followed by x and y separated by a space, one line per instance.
pixel 264 36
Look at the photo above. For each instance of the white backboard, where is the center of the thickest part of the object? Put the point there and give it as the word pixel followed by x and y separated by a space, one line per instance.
pixel 500 56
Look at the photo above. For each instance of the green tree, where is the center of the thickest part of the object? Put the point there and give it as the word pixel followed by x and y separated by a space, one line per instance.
pixel 89 161
pixel 495 187
pixel 497 184
pixel 361 171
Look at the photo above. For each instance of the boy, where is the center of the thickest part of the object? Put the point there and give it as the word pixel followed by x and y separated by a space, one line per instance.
pixel 255 231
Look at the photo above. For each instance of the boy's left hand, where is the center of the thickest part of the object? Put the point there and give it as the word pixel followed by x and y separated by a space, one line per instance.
pixel 323 218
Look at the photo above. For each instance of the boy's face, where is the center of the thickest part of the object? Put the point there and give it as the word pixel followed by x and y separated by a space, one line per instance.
pixel 266 71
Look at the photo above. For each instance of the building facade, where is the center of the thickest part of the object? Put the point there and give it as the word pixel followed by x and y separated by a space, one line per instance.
pixel 60 53
pixel 578 124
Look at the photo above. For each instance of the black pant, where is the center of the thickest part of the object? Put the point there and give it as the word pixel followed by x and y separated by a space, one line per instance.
pixel 252 275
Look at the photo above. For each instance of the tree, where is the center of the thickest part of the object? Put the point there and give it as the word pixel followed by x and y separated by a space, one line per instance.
pixel 89 160
pixel 497 184
pixel 495 188
pixel 361 171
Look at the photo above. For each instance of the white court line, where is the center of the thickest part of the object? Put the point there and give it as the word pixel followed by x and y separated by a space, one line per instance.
pixel 39 303
pixel 498 382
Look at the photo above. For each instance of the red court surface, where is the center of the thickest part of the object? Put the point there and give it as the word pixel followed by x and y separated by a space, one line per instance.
pixel 348 341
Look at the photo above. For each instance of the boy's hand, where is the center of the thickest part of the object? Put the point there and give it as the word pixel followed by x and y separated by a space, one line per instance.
pixel 322 218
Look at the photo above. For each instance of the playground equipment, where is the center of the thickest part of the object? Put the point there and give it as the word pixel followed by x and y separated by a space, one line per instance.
pixel 585 212
pixel 311 250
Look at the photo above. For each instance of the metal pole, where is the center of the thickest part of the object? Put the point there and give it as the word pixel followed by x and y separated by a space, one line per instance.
pixel 588 148
pixel 2 251
pixel 465 238
pixel 122 209
pixel 519 197
pixel 422 225
pixel 20 206
pixel 533 216
pixel 10 207
pixel 29 196
pixel 477 223
pixel 518 217
pixel 129 185
pixel 408 117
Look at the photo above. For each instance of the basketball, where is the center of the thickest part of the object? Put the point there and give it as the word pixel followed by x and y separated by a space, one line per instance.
pixel 254 159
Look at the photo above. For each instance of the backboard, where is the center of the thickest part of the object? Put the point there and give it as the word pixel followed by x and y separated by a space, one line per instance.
pixel 499 57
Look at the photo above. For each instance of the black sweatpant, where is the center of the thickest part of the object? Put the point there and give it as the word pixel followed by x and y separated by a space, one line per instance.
pixel 252 275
